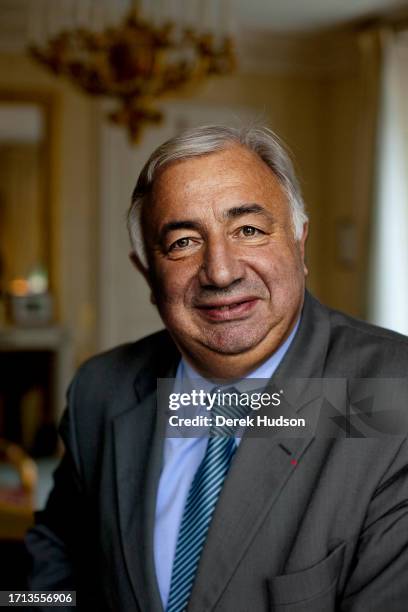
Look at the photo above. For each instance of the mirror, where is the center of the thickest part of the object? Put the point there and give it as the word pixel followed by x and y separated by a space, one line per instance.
pixel 25 196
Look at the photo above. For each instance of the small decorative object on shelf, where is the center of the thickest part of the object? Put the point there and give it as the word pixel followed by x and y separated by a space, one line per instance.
pixel 30 303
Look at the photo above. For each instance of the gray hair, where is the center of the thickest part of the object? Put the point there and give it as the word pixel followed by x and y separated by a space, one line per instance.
pixel 210 139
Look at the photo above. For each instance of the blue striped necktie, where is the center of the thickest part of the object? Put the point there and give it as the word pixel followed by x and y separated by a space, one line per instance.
pixel 200 505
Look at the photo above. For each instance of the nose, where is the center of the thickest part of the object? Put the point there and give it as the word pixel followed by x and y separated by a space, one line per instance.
pixel 221 267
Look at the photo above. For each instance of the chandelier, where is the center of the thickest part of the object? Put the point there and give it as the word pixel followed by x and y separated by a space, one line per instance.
pixel 144 56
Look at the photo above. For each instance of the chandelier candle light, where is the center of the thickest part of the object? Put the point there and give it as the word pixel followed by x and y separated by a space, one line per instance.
pixel 136 56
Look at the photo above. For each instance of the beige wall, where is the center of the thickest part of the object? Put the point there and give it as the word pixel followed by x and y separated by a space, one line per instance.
pixel 348 119
pixel 339 143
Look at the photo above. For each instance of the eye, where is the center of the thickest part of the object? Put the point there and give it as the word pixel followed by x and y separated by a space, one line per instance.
pixel 181 243
pixel 248 231
pixel 183 246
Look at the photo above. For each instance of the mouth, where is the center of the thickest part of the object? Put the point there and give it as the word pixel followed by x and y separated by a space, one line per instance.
pixel 228 311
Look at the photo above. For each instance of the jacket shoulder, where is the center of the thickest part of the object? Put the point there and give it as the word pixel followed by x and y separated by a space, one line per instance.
pixel 130 356
pixel 110 375
pixel 371 351
pixel 342 320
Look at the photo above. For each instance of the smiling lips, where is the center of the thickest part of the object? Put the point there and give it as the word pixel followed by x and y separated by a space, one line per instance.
pixel 228 311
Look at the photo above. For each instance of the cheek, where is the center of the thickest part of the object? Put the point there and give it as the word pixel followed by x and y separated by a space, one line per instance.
pixel 282 275
pixel 170 284
pixel 281 264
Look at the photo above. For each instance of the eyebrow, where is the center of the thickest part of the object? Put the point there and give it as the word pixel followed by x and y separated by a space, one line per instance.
pixel 176 225
pixel 246 209
pixel 231 213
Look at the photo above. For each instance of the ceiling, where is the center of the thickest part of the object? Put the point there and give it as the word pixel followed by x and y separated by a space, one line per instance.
pixel 303 15
pixel 249 17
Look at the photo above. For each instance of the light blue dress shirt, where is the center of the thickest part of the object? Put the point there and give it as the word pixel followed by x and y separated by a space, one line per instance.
pixel 182 456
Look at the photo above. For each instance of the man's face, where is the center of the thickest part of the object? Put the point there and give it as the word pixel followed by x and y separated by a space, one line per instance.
pixel 225 270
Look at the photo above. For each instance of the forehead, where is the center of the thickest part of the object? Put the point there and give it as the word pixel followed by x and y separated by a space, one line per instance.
pixel 215 181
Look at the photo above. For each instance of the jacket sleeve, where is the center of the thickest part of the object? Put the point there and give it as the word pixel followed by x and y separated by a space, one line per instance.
pixel 379 577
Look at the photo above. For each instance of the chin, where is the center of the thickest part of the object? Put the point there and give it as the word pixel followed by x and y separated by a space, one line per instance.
pixel 233 341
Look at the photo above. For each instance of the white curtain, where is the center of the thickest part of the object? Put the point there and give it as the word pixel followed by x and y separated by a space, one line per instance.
pixel 388 283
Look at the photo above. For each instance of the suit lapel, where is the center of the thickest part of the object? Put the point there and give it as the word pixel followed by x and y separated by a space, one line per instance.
pixel 247 497
pixel 138 440
pixel 133 431
pixel 260 471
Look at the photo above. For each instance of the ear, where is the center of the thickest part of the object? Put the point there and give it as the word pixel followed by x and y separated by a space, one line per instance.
pixel 144 271
pixel 302 245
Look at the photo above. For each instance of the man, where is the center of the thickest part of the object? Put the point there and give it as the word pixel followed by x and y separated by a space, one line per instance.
pixel 308 523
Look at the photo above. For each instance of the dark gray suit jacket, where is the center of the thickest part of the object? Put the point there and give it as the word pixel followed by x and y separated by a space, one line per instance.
pixel 329 533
